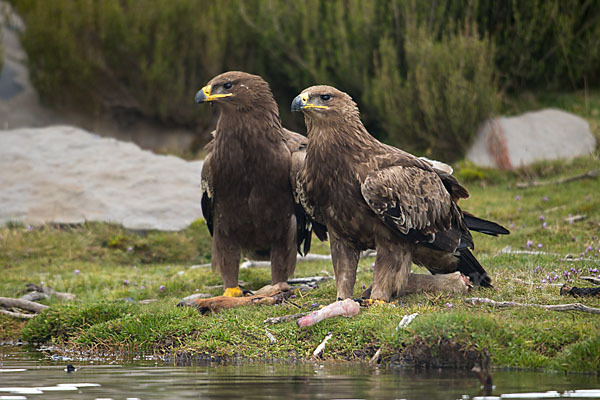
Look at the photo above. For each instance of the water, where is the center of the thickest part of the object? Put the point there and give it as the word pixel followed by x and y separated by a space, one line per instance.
pixel 152 380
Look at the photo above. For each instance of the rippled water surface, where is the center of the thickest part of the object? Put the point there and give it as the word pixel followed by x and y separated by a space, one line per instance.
pixel 35 377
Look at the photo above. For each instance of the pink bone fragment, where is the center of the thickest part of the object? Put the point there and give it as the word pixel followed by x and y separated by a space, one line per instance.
pixel 347 308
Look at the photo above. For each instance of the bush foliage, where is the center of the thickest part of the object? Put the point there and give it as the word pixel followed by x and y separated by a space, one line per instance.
pixel 424 74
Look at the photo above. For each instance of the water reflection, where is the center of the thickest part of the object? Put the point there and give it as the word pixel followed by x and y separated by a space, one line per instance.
pixel 149 380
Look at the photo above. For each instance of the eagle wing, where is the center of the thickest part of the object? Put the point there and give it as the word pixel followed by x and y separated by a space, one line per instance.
pixel 411 200
pixel 206 201
pixel 296 143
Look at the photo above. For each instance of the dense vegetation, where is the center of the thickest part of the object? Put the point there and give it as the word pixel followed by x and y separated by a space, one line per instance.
pixel 425 74
pixel 110 270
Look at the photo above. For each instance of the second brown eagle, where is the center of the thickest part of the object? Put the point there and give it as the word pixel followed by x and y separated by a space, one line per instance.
pixel 374 196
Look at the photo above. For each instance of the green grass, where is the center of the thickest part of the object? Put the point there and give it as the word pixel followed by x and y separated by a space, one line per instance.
pixel 104 264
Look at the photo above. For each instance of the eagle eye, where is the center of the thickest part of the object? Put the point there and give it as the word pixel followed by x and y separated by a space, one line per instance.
pixel 325 97
pixel 227 85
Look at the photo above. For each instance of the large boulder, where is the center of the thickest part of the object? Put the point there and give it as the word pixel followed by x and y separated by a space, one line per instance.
pixel 64 174
pixel 512 142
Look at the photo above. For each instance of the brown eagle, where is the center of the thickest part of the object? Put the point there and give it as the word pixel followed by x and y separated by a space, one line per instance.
pixel 373 196
pixel 247 194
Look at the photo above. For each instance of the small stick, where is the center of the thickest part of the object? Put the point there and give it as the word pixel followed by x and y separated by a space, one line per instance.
pixel 308 257
pixel 567 258
pixel 407 319
pixel 308 279
pixel 284 318
pixel 16 314
pixel 590 174
pixel 8 302
pixel 34 296
pixel 594 280
pixel 535 284
pixel 272 338
pixel 575 218
pixel 552 307
pixel 509 250
pixel 50 292
pixel 321 347
pixel 375 358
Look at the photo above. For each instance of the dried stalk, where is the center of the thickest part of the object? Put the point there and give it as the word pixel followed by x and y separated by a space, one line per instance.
pixel 50 292
pixel 552 307
pixel 17 314
pixel 284 318
pixel 8 302
pixel 375 359
pixel 321 347
pixel 588 175
pixel 594 280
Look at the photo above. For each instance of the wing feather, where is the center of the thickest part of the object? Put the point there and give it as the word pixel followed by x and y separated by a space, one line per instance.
pixel 409 199
pixel 206 201
pixel 296 143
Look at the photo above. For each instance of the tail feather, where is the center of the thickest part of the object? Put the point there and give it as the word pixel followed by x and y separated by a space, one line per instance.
pixel 484 226
pixel 469 266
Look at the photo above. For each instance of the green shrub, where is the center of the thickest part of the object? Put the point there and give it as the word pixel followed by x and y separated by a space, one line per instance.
pixel 582 356
pixel 448 91
pixel 420 71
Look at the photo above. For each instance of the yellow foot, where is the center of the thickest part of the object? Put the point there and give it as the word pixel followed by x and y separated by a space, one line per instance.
pixel 233 292
pixel 371 302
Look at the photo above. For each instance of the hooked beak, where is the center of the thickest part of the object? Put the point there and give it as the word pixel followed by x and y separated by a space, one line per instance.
pixel 301 103
pixel 205 95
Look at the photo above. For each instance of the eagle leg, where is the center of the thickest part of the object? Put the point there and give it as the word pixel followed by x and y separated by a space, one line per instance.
pixel 283 256
pixel 392 268
pixel 345 263
pixel 226 259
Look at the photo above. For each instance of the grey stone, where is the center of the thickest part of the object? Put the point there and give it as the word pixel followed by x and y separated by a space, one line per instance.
pixel 20 105
pixel 64 174
pixel 512 142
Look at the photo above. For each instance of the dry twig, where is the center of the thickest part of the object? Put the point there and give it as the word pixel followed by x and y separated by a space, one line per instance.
pixel 594 280
pixel 284 318
pixel 375 359
pixel 552 307
pixel 48 291
pixel 590 174
pixel 575 218
pixel 17 314
pixel 321 347
pixel 8 302
pixel 524 282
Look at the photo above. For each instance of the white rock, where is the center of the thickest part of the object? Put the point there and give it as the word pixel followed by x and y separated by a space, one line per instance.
pixel 512 142
pixel 64 174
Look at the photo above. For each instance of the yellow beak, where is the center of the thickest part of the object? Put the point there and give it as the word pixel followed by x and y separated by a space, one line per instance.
pixel 301 103
pixel 205 95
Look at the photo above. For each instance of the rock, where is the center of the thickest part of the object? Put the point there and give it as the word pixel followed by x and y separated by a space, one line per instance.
pixel 512 142
pixel 20 106
pixel 64 174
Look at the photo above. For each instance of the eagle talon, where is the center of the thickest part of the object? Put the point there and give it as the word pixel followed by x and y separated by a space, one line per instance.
pixel 371 302
pixel 233 292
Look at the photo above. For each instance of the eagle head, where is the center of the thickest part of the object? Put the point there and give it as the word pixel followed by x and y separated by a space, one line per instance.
pixel 324 101
pixel 236 89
